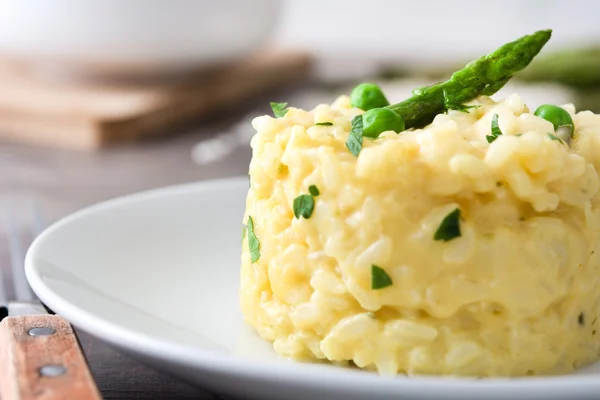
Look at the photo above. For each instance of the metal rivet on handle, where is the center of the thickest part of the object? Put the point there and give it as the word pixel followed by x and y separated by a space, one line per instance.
pixel 41 331
pixel 53 370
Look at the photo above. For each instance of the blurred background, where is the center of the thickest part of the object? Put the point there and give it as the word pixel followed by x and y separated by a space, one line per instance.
pixel 103 98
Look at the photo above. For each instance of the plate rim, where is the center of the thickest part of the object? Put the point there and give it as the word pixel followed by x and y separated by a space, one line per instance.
pixel 286 373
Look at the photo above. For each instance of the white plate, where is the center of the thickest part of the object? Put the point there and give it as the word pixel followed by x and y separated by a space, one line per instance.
pixel 156 275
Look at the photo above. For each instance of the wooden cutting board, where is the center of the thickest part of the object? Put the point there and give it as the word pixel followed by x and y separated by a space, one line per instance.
pixel 91 115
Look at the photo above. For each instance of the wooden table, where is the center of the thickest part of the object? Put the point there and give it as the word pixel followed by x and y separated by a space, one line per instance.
pixel 63 181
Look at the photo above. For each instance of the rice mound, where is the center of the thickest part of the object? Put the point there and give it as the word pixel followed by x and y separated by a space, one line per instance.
pixel 515 294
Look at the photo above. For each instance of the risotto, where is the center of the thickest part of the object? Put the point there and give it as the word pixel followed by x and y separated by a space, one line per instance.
pixel 455 248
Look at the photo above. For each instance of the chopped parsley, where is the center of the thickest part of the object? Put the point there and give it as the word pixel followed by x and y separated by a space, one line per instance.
pixel 460 107
pixel 253 243
pixel 279 109
pixel 495 130
pixel 304 206
pixel 449 228
pixel 355 139
pixel 379 278
pixel 551 136
pixel 324 123
pixel 581 319
pixel 305 203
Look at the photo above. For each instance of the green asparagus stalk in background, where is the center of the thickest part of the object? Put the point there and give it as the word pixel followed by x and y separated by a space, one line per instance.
pixel 577 67
pixel 484 76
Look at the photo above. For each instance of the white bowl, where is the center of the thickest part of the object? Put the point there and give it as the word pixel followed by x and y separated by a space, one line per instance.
pixel 117 36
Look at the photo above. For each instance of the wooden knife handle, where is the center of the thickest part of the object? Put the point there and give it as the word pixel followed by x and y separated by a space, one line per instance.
pixel 40 359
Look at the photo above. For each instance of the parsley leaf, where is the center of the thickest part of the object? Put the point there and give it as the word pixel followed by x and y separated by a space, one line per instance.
pixel 355 139
pixel 324 123
pixel 461 107
pixel 314 190
pixel 279 109
pixel 551 136
pixel 495 130
pixel 253 243
pixel 303 206
pixel 379 278
pixel 449 102
pixel 449 228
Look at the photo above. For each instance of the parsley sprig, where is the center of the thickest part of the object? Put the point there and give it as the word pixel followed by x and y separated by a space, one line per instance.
pixel 279 109
pixel 355 139
pixel 449 228
pixel 253 242
pixel 461 107
pixel 495 130
pixel 379 278
pixel 304 206
pixel 305 203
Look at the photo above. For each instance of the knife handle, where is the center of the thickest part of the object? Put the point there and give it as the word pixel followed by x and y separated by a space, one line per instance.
pixel 40 359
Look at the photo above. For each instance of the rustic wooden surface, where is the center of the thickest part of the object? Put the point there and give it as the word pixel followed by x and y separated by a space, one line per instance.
pixel 120 378
pixel 23 355
pixel 91 114
pixel 62 181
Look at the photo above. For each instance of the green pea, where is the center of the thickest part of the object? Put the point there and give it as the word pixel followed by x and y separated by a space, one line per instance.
pixel 379 120
pixel 367 96
pixel 559 117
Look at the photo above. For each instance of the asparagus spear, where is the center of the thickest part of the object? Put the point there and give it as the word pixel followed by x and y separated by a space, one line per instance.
pixel 484 76
pixel 578 68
